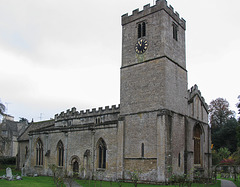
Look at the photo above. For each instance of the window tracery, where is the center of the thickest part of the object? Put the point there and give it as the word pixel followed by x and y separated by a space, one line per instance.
pixel 60 150
pixel 102 153
pixel 39 153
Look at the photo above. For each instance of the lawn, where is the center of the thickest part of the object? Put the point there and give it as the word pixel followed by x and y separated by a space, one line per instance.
pixel 40 181
pixel 3 170
pixel 86 183
pixel 44 181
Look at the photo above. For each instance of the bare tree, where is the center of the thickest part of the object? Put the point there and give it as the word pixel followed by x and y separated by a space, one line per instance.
pixel 2 109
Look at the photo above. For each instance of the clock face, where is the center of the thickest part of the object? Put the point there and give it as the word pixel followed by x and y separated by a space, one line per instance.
pixel 141 46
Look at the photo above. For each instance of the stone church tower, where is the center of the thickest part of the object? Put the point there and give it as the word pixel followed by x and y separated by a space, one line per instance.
pixel 154 89
pixel 160 127
pixel 154 95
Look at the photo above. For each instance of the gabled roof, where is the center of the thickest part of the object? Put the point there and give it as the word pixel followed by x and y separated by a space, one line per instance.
pixel 195 92
pixel 34 126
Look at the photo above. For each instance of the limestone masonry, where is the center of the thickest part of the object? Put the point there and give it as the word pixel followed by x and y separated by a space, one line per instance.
pixel 160 127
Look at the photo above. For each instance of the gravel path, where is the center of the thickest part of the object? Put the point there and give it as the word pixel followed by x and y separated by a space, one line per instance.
pixel 71 183
pixel 226 183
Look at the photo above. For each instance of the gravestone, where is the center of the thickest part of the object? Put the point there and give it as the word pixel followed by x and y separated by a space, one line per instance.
pixel 9 173
pixel 23 172
pixel 18 178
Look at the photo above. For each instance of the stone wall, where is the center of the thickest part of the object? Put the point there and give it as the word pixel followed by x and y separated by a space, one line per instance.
pixel 79 134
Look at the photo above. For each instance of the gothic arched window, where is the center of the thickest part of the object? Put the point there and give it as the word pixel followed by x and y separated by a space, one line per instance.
pixel 39 153
pixel 102 153
pixel 197 144
pixel 60 152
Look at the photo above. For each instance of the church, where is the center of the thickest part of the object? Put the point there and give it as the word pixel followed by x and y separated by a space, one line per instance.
pixel 160 128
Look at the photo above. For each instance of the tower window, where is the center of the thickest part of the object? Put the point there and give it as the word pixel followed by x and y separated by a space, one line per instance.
pixel 142 150
pixel 179 160
pixel 141 29
pixel 175 31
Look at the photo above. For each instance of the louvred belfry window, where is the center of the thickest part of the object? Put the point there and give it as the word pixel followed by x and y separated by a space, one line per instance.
pixel 175 32
pixel 141 29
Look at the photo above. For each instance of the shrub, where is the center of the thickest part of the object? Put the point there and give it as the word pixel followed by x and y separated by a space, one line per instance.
pixel 7 160
pixel 227 161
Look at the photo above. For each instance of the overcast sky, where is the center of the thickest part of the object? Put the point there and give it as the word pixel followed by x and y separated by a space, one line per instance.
pixel 59 54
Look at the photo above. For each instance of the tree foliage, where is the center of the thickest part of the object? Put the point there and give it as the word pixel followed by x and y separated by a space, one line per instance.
pixel 220 155
pixel 2 109
pixel 219 112
pixel 23 120
pixel 223 153
pixel 224 125
pixel 226 136
pixel 238 106
pixel 236 156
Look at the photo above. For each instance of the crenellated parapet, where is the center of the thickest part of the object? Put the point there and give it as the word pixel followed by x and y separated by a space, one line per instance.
pixel 74 114
pixel 147 9
pixel 193 92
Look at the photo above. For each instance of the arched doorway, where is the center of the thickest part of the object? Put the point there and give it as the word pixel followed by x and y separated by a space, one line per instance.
pixel 75 166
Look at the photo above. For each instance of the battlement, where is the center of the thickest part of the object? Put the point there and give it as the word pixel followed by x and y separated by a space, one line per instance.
pixel 71 114
pixel 147 9
pixel 195 91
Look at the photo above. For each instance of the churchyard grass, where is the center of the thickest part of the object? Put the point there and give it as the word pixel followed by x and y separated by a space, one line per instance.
pixel 91 183
pixel 3 170
pixel 40 181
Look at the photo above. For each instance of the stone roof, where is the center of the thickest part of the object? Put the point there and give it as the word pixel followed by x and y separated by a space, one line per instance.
pixel 34 126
